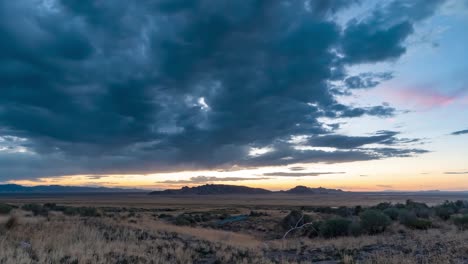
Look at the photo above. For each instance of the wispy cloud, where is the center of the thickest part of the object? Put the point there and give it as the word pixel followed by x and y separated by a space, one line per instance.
pixel 207 179
pixel 460 132
pixel 298 174
pixel 96 177
pixel 384 186
pixel 425 97
pixel 456 172
pixel 297 168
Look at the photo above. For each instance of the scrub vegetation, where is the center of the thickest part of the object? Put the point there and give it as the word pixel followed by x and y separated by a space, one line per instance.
pixel 409 232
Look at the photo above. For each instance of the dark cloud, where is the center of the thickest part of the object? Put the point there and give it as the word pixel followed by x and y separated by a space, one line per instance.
pixel 96 177
pixel 297 168
pixel 95 87
pixel 456 172
pixel 381 35
pixel 298 174
pixel 350 142
pixel 460 132
pixel 367 80
pixel 207 179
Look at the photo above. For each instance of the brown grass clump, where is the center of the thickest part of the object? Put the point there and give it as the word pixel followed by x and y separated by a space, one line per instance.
pixel 11 222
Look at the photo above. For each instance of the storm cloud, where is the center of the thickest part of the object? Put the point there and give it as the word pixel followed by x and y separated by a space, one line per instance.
pixel 208 179
pixel 104 87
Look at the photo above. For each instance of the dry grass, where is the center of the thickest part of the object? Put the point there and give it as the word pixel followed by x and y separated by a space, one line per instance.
pixel 76 240
pixel 62 239
pixel 218 236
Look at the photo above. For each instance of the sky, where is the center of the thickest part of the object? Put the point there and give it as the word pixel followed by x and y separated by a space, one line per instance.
pixel 360 95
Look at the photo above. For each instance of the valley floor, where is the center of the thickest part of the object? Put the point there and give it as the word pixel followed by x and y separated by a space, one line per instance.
pixel 243 234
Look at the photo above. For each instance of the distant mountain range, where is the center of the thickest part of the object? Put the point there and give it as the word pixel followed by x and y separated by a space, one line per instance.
pixel 14 188
pixel 222 189
pixel 212 189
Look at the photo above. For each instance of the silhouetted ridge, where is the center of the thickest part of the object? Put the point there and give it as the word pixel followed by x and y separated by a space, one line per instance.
pixel 307 190
pixel 212 189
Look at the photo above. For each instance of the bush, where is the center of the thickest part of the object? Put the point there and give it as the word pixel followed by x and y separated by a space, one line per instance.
pixel 292 219
pixel 461 222
pixel 82 211
pixel 410 220
pixel 382 206
pixel 11 222
pixel 184 219
pixel 357 210
pixel 257 214
pixel 335 227
pixel 89 212
pixel 444 213
pixel 312 230
pixel 71 211
pixel 344 211
pixel 36 209
pixel 355 229
pixel 392 213
pixel 422 212
pixel 5 209
pixel 374 221
pixel 410 204
pixel 164 216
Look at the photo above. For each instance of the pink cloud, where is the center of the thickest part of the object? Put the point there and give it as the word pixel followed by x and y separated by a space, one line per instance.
pixel 425 98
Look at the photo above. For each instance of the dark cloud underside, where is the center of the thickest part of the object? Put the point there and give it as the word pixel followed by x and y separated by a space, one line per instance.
pixel 207 179
pixel 144 86
pixel 299 174
pixel 460 132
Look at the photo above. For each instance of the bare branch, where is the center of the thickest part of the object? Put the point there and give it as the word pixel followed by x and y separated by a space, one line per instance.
pixel 296 227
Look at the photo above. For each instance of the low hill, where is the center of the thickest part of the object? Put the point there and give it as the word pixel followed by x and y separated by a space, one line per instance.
pixel 15 188
pixel 213 189
pixel 307 190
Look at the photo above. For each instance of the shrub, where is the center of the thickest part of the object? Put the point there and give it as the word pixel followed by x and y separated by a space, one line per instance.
pixel 374 221
pixel 355 229
pixel 184 219
pixel 36 209
pixel 399 206
pixel 410 204
pixel 422 212
pixel 461 222
pixel 71 211
pixel 164 216
pixel 392 213
pixel 312 230
pixel 335 227
pixel 5 209
pixel 357 210
pixel 443 212
pixel 410 220
pixel 382 206
pixel 344 211
pixel 292 219
pixel 11 222
pixel 82 211
pixel 89 212
pixel 257 214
